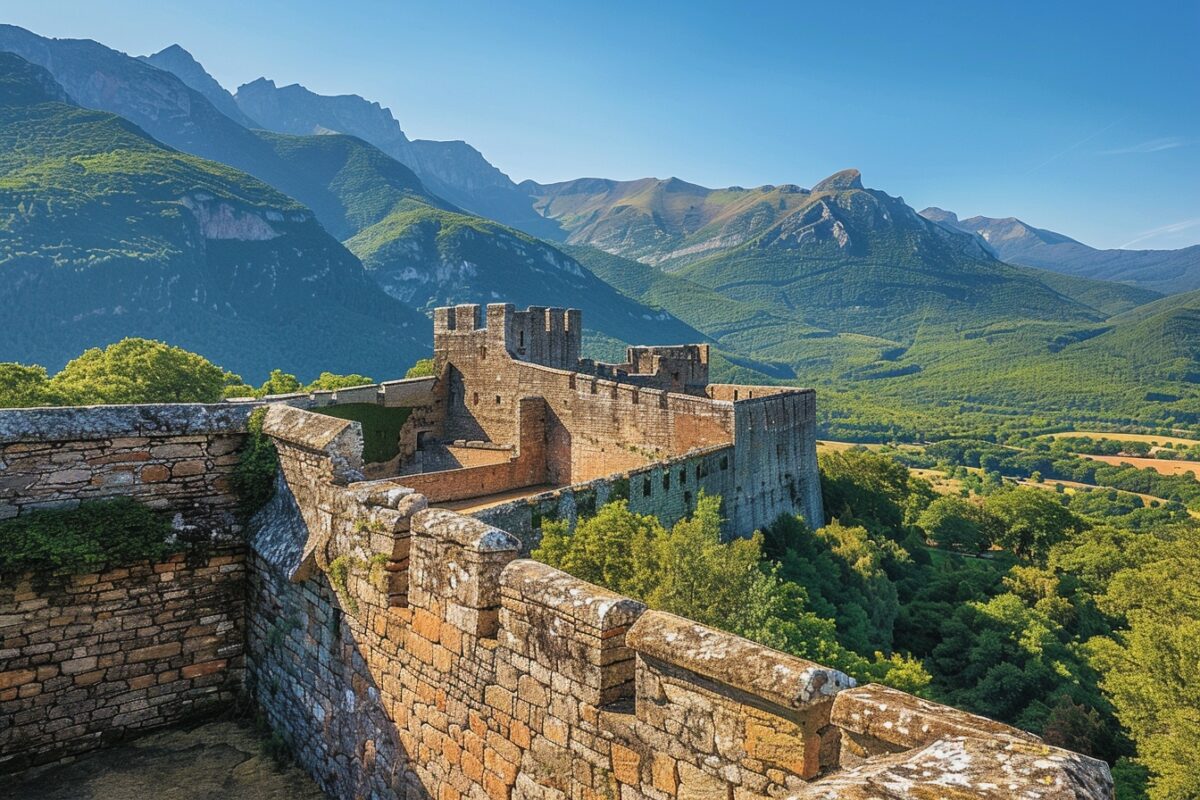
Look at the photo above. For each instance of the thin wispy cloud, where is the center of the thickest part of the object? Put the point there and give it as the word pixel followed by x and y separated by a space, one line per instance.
pixel 1074 146
pixel 1148 146
pixel 1163 230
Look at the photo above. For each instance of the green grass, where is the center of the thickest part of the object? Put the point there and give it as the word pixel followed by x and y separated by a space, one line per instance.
pixel 381 427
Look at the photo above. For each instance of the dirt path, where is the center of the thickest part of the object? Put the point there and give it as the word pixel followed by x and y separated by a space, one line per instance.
pixel 212 760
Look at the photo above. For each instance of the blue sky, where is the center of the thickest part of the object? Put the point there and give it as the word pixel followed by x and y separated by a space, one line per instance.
pixel 1079 117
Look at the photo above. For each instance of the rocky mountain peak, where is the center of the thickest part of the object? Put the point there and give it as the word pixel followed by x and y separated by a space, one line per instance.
pixel 840 181
pixel 935 214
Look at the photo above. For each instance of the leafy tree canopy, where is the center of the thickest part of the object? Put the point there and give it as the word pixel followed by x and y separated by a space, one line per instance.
pixel 138 371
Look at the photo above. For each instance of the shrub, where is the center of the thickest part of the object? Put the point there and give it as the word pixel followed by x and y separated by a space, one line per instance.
pixel 91 537
pixel 254 477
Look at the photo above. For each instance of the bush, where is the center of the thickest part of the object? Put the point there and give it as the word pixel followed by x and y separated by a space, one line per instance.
pixel 254 477
pixel 91 537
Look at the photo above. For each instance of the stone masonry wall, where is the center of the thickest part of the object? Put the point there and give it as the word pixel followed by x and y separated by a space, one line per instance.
pixel 594 427
pixel 667 490
pixel 436 663
pixel 525 468
pixel 174 458
pixel 93 658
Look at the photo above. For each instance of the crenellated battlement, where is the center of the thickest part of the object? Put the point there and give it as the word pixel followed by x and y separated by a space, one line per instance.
pixel 501 676
pixel 552 337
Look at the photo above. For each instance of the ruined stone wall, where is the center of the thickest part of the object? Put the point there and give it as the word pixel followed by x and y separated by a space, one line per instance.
pixel 674 368
pixel 594 427
pixel 775 455
pixel 174 458
pixel 527 467
pixel 461 670
pixel 88 659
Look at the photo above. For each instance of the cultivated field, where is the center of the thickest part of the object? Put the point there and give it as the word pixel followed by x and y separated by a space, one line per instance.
pixel 1159 465
pixel 1151 438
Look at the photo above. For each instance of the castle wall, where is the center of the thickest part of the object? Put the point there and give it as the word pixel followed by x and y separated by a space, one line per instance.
pixel 597 428
pixel 175 458
pixel 503 678
pixel 89 659
pixel 594 427
pixel 666 490
pixel 775 455
pixel 526 468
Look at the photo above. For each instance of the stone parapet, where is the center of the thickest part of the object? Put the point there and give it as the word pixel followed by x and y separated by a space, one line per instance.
pixel 507 678
pixel 178 459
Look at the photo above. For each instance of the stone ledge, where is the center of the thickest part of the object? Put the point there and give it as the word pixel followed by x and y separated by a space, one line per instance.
pixel 467 532
pixel 305 429
pixel 598 607
pixel 997 768
pixel 70 423
pixel 776 677
pixel 905 721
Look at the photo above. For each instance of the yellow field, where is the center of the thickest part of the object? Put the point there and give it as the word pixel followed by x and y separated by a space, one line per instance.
pixel 1126 437
pixel 839 447
pixel 1160 465
pixel 942 483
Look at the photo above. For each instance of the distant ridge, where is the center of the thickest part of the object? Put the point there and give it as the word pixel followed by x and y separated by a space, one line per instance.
pixel 1017 242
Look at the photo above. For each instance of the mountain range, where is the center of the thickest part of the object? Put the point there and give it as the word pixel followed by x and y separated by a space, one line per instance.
pixel 107 233
pixel 1018 242
pixel 419 247
pixel 838 285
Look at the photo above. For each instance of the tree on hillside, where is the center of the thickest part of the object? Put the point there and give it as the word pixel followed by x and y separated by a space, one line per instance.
pixel 139 371
pixel 1151 668
pixel 1034 521
pixel 958 524
pixel 865 488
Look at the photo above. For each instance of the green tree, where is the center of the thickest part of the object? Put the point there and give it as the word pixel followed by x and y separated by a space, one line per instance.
pixel 328 381
pixel 139 371
pixel 421 369
pixel 24 385
pixel 865 488
pixel 1034 521
pixel 1150 668
pixel 279 382
pixel 955 523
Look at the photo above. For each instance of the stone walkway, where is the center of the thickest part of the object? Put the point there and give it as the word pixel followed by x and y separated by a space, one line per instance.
pixel 212 760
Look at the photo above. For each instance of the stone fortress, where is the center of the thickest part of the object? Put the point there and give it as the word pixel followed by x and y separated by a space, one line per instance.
pixel 382 615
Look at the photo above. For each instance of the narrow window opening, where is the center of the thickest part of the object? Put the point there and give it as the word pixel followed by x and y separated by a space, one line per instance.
pixel 666 481
pixel 724 463
pixel 646 487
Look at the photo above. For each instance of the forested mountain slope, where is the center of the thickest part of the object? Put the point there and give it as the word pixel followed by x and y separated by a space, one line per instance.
pixel 105 233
